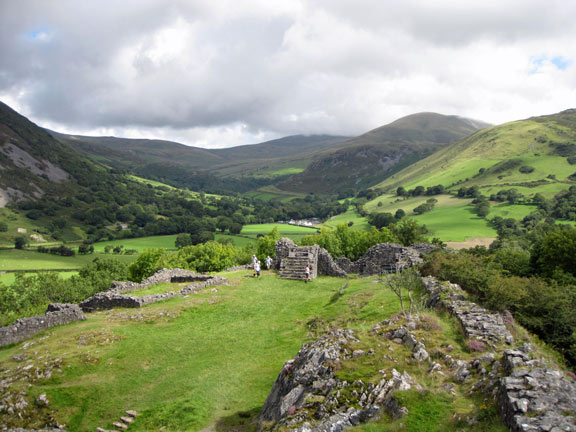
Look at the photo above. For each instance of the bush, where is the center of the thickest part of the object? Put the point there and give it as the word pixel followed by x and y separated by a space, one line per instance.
pixel 526 169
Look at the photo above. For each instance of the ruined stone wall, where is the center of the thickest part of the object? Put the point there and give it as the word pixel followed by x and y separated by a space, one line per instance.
pixel 327 266
pixel 56 314
pixel 283 247
pixel 161 276
pixel 533 397
pixel 385 258
pixel 478 323
pixel 112 298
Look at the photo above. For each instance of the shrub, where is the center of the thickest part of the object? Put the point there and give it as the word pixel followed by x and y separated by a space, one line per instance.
pixel 526 169
pixel 476 345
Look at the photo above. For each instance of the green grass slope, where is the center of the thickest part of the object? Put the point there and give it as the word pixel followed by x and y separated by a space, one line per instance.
pixel 493 157
pixel 208 361
pixel 378 154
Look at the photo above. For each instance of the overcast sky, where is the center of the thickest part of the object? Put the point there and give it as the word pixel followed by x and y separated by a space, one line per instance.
pixel 217 73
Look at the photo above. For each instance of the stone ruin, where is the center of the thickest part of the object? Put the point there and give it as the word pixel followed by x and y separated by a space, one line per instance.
pixel 291 261
pixel 116 297
pixel 531 396
pixel 56 314
pixel 382 258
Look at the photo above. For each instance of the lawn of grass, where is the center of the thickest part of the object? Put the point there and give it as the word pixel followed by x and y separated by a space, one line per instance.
pixel 351 215
pixel 210 359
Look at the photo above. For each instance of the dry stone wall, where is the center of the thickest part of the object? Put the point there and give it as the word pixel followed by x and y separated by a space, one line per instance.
pixel 56 314
pixel 114 297
pixel 478 323
pixel 533 397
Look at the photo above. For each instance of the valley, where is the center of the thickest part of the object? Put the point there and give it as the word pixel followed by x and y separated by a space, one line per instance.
pixel 119 209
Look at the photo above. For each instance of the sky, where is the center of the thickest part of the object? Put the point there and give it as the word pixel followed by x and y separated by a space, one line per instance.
pixel 220 73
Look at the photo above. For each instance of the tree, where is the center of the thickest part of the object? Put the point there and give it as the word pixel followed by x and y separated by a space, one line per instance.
pixel 404 281
pixel 236 228
pixel 146 264
pixel 408 231
pixel 183 240
pixel 556 251
pixel 266 245
pixel 20 242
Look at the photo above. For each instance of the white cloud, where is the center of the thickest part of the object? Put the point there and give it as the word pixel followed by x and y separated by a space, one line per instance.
pixel 225 72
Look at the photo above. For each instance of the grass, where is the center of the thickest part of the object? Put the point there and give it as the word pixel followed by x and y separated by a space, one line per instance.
pixel 9 278
pixel 219 357
pixel 139 244
pixel 209 360
pixel 455 224
pixel 14 260
pixel 158 289
pixel 351 215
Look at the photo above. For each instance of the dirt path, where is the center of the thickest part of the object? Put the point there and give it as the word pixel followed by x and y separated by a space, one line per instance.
pixel 471 242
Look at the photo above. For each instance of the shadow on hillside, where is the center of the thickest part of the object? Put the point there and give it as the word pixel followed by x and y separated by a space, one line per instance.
pixel 241 421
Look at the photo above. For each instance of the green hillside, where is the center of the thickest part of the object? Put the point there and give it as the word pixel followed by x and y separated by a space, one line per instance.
pixel 494 157
pixel 378 154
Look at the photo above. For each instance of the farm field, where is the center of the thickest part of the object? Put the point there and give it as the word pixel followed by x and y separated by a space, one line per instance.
pixel 20 260
pixel 208 361
pixel 8 278
pixel 351 215
pixel 139 244
pixel 456 223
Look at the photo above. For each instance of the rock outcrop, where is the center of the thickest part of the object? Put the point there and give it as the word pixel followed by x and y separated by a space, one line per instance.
pixel 56 314
pixel 308 396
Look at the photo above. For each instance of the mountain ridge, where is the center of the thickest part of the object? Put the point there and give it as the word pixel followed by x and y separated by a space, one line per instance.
pixel 379 153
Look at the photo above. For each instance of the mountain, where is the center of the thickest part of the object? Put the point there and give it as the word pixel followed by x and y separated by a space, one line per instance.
pixel 290 151
pixel 376 155
pixel 32 162
pixel 539 149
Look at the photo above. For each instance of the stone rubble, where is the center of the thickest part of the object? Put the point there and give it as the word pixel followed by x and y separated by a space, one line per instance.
pixel 308 396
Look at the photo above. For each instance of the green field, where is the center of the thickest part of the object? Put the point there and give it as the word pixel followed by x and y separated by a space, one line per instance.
pixel 8 278
pixel 351 215
pixel 208 361
pixel 139 244
pixel 15 260
pixel 272 192
pixel 455 224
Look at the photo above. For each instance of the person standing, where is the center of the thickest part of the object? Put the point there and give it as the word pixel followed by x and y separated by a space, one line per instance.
pixel 253 262
pixel 268 262
pixel 307 271
pixel 257 269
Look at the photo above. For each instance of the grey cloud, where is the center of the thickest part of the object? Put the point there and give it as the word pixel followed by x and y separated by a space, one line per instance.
pixel 305 66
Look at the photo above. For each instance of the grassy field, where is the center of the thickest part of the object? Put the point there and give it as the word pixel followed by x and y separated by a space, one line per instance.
pixel 8 278
pixel 351 215
pixel 139 244
pixel 15 260
pixel 210 360
pixel 455 224
pixel 272 192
